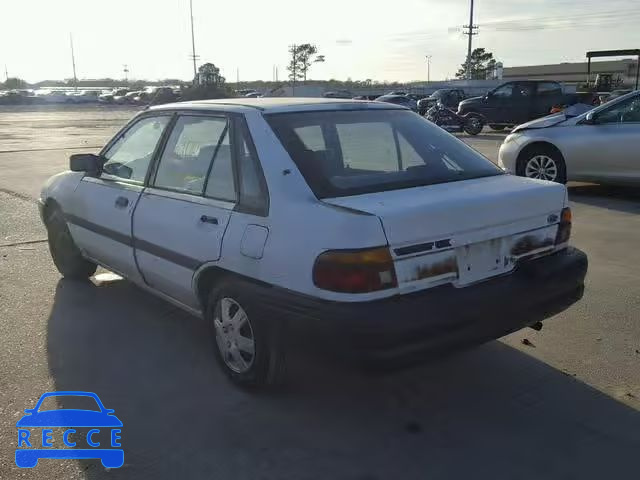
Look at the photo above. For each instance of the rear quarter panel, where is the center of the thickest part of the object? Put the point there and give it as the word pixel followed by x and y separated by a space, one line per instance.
pixel 300 226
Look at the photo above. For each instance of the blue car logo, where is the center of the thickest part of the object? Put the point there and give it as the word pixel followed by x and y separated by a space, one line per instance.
pixel 33 447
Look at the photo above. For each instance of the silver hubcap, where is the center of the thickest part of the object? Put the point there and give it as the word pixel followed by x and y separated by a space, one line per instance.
pixel 234 335
pixel 542 167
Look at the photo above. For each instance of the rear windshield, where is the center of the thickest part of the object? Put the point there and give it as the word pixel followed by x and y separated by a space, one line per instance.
pixel 343 153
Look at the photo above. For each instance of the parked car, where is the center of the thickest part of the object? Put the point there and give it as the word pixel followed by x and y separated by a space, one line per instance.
pixel 600 145
pixel 130 97
pixel 449 97
pixel 338 94
pixel 143 98
pixel 116 93
pixel 51 96
pixel 359 224
pixel 84 96
pixel 516 102
pixel 399 100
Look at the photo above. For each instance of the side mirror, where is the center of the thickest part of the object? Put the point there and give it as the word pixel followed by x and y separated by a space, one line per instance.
pixel 488 95
pixel 85 162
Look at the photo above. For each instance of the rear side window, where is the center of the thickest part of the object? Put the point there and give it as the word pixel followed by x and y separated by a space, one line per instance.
pixel 548 89
pixel 254 197
pixel 375 150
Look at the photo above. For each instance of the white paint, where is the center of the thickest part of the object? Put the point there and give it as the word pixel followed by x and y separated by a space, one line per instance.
pixel 281 249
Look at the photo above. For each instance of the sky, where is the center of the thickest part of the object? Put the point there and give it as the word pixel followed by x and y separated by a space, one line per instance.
pixel 361 39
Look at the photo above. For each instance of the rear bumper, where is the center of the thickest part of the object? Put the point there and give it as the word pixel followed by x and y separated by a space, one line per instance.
pixel 439 319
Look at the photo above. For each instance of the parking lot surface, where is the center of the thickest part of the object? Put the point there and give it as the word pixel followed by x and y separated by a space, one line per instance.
pixel 563 404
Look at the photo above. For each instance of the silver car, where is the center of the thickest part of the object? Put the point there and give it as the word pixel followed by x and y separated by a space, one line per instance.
pixel 601 145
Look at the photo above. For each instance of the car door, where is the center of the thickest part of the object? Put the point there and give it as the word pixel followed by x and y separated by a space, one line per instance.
pixel 100 215
pixel 498 104
pixel 522 103
pixel 181 217
pixel 610 145
pixel 548 95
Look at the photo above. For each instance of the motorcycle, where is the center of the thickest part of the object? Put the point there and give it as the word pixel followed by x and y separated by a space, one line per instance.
pixel 471 123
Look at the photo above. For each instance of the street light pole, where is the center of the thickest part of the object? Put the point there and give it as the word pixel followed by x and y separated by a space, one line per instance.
pixel 428 57
pixel 73 64
pixel 193 41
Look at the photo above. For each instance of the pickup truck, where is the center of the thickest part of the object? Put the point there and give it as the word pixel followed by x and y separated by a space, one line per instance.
pixel 516 102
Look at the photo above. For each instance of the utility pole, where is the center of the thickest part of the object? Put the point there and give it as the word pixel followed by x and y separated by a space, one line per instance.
pixel 6 72
pixel 237 76
pixel 193 42
pixel 471 31
pixel 428 57
pixel 73 64
pixel 126 73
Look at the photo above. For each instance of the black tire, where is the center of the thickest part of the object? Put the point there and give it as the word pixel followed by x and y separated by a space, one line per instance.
pixel 529 155
pixel 267 365
pixel 497 128
pixel 64 252
pixel 474 123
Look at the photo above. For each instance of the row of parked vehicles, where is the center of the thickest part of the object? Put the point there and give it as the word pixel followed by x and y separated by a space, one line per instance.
pixel 117 96
pixel 510 104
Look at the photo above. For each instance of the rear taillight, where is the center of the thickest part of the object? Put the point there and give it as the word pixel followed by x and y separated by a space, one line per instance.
pixel 564 227
pixel 355 271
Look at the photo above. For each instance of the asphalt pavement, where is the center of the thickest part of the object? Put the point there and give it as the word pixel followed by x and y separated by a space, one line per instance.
pixel 562 405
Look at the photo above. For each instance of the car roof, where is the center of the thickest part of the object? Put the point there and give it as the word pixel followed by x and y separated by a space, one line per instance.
pixel 274 104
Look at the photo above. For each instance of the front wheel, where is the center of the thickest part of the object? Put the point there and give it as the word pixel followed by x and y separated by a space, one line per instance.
pixel 64 252
pixel 543 164
pixel 248 345
pixel 474 123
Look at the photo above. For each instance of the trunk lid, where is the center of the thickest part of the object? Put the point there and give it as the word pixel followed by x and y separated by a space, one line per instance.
pixel 464 232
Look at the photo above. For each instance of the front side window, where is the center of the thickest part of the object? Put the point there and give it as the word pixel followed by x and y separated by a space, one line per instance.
pixel 505 91
pixel 524 90
pixel 129 157
pixel 194 143
pixel 372 151
pixel 627 111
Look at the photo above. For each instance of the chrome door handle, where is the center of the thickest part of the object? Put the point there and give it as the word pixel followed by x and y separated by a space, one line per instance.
pixel 122 202
pixel 208 219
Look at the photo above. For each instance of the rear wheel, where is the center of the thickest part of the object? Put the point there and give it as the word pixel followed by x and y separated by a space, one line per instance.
pixel 64 252
pixel 542 163
pixel 248 345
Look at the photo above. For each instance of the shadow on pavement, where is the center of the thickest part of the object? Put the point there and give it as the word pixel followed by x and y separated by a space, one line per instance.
pixel 623 199
pixel 492 412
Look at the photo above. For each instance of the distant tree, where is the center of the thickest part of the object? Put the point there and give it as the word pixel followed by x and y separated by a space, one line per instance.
pixel 302 57
pixel 14 82
pixel 482 65
pixel 208 83
pixel 209 74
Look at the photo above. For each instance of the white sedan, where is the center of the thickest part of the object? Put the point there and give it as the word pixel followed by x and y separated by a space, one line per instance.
pixel 358 224
pixel 600 145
